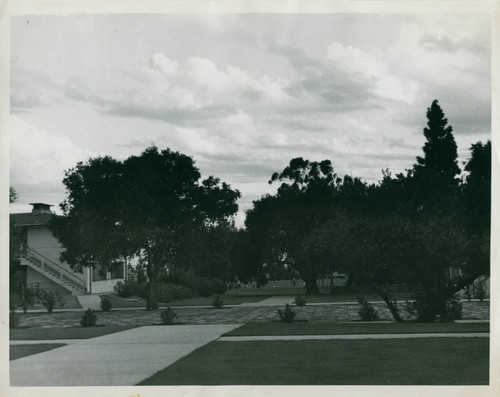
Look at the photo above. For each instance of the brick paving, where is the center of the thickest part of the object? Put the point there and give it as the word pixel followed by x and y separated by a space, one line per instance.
pixel 229 315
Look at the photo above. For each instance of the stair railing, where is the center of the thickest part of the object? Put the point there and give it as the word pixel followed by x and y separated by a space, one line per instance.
pixel 49 266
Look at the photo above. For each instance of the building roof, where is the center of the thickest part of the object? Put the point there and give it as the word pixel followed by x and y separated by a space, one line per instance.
pixel 30 219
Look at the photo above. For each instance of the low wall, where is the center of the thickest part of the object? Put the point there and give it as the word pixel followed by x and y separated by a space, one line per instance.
pixel 99 287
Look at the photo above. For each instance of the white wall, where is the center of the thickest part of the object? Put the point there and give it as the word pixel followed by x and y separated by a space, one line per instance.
pixel 43 241
pixel 99 287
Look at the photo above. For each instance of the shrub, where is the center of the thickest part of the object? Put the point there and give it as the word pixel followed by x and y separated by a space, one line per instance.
pixel 26 297
pixel 468 292
pixel 300 300
pixel 164 293
pixel 367 311
pixel 286 315
pixel 423 309
pixel 217 303
pixel 168 316
pixel 453 309
pixel 169 292
pixel 129 288
pixel 179 291
pixel 479 288
pixel 206 286
pixel 198 285
pixel 89 318
pixel 106 304
pixel 49 301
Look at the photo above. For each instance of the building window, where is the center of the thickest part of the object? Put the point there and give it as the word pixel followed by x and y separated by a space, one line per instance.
pixel 117 270
pixel 99 273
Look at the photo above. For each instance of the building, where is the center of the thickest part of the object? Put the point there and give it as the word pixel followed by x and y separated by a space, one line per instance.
pixel 40 253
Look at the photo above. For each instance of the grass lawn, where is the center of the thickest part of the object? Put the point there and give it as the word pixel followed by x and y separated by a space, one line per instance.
pixel 325 297
pixel 119 303
pixel 18 351
pixel 64 333
pixel 430 361
pixel 309 328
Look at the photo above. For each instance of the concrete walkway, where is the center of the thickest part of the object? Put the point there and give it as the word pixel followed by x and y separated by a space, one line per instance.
pixel 120 359
pixel 90 301
pixel 352 336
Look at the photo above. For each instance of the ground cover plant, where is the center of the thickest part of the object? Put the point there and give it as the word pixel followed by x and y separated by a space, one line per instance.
pixel 367 312
pixel 19 351
pixel 300 300
pixel 89 318
pixel 106 304
pixel 168 316
pixel 217 302
pixel 333 362
pixel 287 315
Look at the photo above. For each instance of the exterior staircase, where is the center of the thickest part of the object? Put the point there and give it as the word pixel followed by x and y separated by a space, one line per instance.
pixel 53 271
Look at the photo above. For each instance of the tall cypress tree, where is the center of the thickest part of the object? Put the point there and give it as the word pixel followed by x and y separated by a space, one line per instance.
pixel 436 173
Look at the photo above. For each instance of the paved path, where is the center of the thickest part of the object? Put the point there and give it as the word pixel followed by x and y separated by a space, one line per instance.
pixel 341 312
pixel 90 301
pixel 120 359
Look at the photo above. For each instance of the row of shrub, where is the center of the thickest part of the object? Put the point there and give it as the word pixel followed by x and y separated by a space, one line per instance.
pixel 367 312
pixel 89 318
pixel 167 292
pixel 26 298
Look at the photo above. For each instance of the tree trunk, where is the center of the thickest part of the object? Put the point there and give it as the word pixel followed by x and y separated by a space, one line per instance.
pixel 389 302
pixel 153 272
pixel 151 298
pixel 311 284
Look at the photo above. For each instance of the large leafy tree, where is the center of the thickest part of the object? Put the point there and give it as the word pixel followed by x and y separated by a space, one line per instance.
pixel 308 194
pixel 477 188
pixel 380 251
pixel 140 206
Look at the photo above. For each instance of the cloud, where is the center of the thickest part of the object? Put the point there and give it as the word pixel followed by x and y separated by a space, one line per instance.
pixel 373 70
pixel 38 159
pixel 320 86
pixel 185 93
pixel 29 90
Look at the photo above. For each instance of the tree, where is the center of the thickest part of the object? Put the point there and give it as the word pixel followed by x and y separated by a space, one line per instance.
pixel 363 246
pixel 12 195
pixel 379 251
pixel 307 196
pixel 140 206
pixel 435 176
pixel 476 190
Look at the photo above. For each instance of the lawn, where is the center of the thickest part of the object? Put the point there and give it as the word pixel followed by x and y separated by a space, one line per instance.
pixel 278 328
pixel 429 361
pixel 120 303
pixel 64 333
pixel 18 351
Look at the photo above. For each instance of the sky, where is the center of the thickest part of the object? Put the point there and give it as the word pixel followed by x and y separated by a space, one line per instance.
pixel 242 94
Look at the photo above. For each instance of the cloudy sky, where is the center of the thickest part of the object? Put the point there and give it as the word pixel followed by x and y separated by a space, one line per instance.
pixel 242 94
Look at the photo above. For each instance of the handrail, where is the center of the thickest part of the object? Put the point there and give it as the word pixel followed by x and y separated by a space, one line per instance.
pixel 57 269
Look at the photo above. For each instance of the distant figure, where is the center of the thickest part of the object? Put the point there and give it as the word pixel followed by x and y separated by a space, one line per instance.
pixel 294 282
pixel 304 284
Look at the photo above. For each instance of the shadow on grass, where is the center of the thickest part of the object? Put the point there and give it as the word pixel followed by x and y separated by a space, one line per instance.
pixel 65 333
pixel 19 351
pixel 429 361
